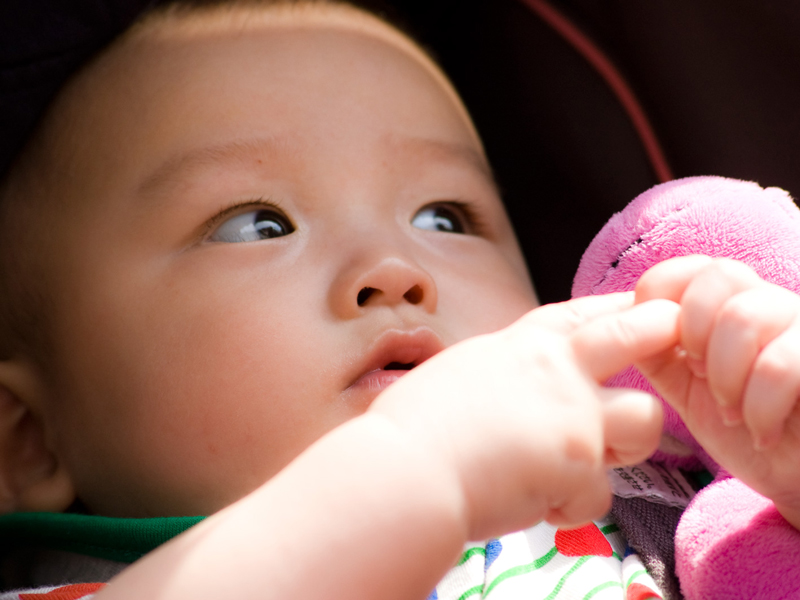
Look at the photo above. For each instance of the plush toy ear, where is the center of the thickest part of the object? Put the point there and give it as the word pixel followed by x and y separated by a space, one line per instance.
pixel 31 477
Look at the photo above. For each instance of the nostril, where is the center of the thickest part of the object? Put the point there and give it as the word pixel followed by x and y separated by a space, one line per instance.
pixel 414 295
pixel 364 295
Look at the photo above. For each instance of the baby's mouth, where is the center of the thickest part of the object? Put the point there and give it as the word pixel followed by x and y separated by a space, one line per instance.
pixel 377 380
pixel 396 366
pixel 394 354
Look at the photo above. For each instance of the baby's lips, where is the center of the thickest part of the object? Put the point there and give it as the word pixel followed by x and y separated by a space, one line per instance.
pixel 399 347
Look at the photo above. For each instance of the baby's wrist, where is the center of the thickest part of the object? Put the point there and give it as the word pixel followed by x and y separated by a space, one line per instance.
pixel 428 446
pixel 408 456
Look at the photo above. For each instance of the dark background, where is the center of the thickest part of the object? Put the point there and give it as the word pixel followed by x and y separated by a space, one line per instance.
pixel 719 79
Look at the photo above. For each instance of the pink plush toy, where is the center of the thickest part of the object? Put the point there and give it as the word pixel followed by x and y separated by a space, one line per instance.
pixel 730 542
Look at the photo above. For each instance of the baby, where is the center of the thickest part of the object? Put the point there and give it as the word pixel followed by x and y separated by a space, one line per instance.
pixel 232 232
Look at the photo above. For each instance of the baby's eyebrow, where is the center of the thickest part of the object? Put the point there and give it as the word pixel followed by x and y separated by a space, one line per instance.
pixel 236 151
pixel 239 151
pixel 442 149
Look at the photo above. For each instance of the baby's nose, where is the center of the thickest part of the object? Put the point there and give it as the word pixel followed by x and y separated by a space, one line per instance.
pixel 389 281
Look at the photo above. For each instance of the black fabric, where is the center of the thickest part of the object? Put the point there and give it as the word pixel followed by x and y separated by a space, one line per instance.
pixel 42 42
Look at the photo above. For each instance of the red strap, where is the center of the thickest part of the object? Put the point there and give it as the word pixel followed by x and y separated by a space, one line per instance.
pixel 606 69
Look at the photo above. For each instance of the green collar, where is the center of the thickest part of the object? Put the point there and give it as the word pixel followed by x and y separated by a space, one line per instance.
pixel 121 540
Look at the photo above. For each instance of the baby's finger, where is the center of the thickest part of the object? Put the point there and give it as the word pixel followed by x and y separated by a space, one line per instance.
pixel 704 296
pixel 669 374
pixel 610 343
pixel 744 324
pixel 773 389
pixel 668 279
pixel 565 317
pixel 632 423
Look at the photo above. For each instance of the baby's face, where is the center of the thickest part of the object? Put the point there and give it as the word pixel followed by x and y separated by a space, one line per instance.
pixel 264 225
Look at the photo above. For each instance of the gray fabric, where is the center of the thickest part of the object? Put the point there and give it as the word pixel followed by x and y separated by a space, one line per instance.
pixel 39 568
pixel 650 531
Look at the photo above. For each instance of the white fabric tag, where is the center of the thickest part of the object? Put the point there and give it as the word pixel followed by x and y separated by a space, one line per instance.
pixel 653 482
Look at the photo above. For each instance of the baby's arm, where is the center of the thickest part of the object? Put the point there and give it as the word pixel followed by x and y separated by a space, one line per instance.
pixel 737 385
pixel 489 436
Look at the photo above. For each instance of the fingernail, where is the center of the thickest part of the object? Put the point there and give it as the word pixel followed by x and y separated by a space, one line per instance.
pixel 766 441
pixel 697 366
pixel 731 416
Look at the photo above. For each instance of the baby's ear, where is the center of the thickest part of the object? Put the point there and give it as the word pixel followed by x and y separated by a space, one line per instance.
pixel 31 477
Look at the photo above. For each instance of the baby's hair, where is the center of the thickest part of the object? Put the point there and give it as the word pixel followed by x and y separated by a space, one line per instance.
pixel 36 179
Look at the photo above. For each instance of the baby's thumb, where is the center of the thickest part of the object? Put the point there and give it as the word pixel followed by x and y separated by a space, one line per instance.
pixel 632 423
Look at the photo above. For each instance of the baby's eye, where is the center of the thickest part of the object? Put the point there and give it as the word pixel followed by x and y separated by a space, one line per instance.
pixel 447 217
pixel 253 226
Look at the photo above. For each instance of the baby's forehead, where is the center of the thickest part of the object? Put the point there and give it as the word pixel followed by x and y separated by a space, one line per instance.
pixel 254 17
pixel 164 34
pixel 114 85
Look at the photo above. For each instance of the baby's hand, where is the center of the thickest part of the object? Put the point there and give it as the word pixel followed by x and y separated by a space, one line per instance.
pixel 737 383
pixel 487 437
pixel 520 419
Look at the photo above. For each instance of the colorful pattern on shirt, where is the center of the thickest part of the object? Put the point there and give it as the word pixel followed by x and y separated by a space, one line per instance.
pixel 540 563
pixel 546 563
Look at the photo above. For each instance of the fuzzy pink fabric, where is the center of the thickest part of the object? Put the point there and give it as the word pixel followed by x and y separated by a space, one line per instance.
pixel 732 543
pixel 728 537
